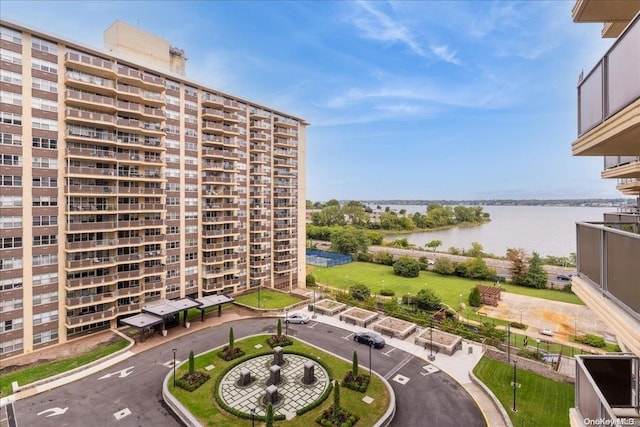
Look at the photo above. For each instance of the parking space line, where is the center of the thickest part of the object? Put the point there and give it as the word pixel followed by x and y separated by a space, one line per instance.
pixel 348 337
pixel 399 366
pixel 388 352
pixel 312 326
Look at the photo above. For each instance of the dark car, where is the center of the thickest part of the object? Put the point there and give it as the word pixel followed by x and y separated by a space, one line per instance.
pixel 369 338
pixel 564 277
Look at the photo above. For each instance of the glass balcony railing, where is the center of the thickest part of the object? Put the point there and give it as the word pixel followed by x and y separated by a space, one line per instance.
pixel 608 257
pixel 614 83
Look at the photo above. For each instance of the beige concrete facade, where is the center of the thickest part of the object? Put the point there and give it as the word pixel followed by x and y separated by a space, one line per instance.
pixel 124 182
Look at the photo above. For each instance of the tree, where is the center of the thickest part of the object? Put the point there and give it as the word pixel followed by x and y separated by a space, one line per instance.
pixel 192 363
pixel 310 279
pixel 360 292
pixel 355 213
pixel 309 204
pixel 536 275
pixel 354 364
pixel 328 216
pixel 444 266
pixel 426 299
pixel 279 328
pixel 332 202
pixel 517 257
pixel 475 297
pixel 349 240
pixel 336 399
pixel 407 267
pixel 231 343
pixel 476 250
pixel 434 244
pixel 269 416
pixel 384 258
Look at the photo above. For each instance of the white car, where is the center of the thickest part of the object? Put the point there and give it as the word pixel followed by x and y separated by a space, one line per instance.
pixel 297 318
pixel 547 332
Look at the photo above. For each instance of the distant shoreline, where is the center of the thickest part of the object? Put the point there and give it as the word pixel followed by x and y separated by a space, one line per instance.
pixel 589 203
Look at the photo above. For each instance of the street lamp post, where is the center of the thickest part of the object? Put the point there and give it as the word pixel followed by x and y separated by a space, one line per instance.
pixel 575 329
pixel 537 347
pixel 508 342
pixel 259 304
pixel 253 417
pixel 521 316
pixel 514 384
pixel 286 323
pixel 370 345
pixel 174 366
pixel 314 303
pixel 431 356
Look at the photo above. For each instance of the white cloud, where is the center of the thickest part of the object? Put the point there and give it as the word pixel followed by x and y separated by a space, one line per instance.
pixel 443 52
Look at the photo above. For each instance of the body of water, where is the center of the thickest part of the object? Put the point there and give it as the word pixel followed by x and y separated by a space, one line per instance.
pixel 548 230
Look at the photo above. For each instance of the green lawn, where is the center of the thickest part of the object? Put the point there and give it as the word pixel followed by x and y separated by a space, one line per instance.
pixel 268 299
pixel 45 370
pixel 449 288
pixel 539 400
pixel 203 407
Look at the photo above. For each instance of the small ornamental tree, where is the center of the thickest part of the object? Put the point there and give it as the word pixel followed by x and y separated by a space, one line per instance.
pixel 354 364
pixel 279 328
pixel 231 343
pixel 192 363
pixel 475 297
pixel 360 292
pixel 311 280
pixel 269 415
pixel 407 267
pixel 336 400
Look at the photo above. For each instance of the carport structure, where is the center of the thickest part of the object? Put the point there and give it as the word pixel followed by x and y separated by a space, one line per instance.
pixel 142 322
pixel 212 301
pixel 157 312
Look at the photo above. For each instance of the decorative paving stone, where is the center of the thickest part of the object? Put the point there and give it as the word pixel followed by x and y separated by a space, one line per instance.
pixel 401 379
pixel 368 400
pixel 209 367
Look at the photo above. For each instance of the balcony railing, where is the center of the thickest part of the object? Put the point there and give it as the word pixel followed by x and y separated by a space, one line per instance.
pixel 613 84
pixel 608 258
pixel 606 389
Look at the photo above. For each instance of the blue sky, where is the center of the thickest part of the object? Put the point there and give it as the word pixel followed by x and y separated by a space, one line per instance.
pixel 405 100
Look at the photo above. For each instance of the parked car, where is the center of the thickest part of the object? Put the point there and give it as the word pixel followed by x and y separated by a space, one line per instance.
pixel 297 318
pixel 369 338
pixel 547 332
pixel 564 277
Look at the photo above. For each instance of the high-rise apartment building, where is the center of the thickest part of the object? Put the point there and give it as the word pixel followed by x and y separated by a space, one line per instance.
pixel 123 182
pixel 608 252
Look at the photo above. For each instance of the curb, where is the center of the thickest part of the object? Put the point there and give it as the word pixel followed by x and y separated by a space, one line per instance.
pixel 493 398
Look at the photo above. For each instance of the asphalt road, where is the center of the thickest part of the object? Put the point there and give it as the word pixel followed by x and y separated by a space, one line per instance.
pixel 130 393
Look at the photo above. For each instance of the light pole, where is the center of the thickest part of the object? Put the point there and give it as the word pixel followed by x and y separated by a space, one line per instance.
pixel 370 345
pixel 575 329
pixel 431 356
pixel 259 305
pixel 314 303
pixel 514 385
pixel 174 367
pixel 508 343
pixel 537 347
pixel 253 417
pixel 521 316
pixel 286 323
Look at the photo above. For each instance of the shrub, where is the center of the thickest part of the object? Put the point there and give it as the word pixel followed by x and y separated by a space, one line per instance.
pixel 311 280
pixel 475 297
pixel 364 257
pixel 360 292
pixel 592 340
pixel 192 381
pixel 279 341
pixel 384 258
pixel 192 363
pixel 387 292
pixel 356 382
pixel 228 353
pixel 406 267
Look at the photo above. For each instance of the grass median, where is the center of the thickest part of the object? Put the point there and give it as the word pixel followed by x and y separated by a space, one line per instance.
pixel 40 371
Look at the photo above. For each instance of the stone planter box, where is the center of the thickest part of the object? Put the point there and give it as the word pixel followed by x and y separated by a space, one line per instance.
pixel 443 342
pixel 359 317
pixel 394 328
pixel 329 307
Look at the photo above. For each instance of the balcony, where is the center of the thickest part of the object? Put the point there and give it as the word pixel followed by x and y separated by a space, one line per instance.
pixel 607 279
pixel 606 389
pixel 92 64
pixel 604 11
pixel 609 101
pixel 621 167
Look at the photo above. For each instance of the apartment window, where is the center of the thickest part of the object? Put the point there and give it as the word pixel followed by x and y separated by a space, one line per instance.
pixel 10 304
pixel 172 273
pixel 190 270
pixel 10 201
pixel 190 132
pixel 173 288
pixel 45 181
pixel 11 242
pixel 11 325
pixel 190 174
pixel 45 259
pixel 10 35
pixel 44 162
pixel 45 220
pixel 172 129
pixel 170 84
pixel 44 279
pixel 173 201
pixel 10 160
pixel 170 114
pixel 190 256
pixel 172 100
pixel 190 118
pixel 173 258
pixel 11 77
pixel 188 160
pixel 173 230
pixel 10 118
pixel 10 222
pixel 46 298
pixel 42 65
pixel 173 215
pixel 191 91
pixel 46 105
pixel 191 229
pixel 47 143
pixel 171 143
pixel 44 45
pixel 191 214
pixel 191 187
pixel 45 336
pixel 45 124
pixel 10 284
pixel 173 186
pixel 173 245
pixel 44 201
pixel 191 201
pixel 44 85
pixel 51 239
pixel 10 98
pixel 172 173
pixel 10 345
pixel 46 317
pixel 192 146
pixel 11 180
pixel 10 139
pixel 172 158
pixel 190 105
pixel 11 57
pixel 191 243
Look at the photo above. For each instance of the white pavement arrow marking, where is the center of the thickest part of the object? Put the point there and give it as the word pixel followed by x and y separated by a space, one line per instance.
pixel 123 373
pixel 54 411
